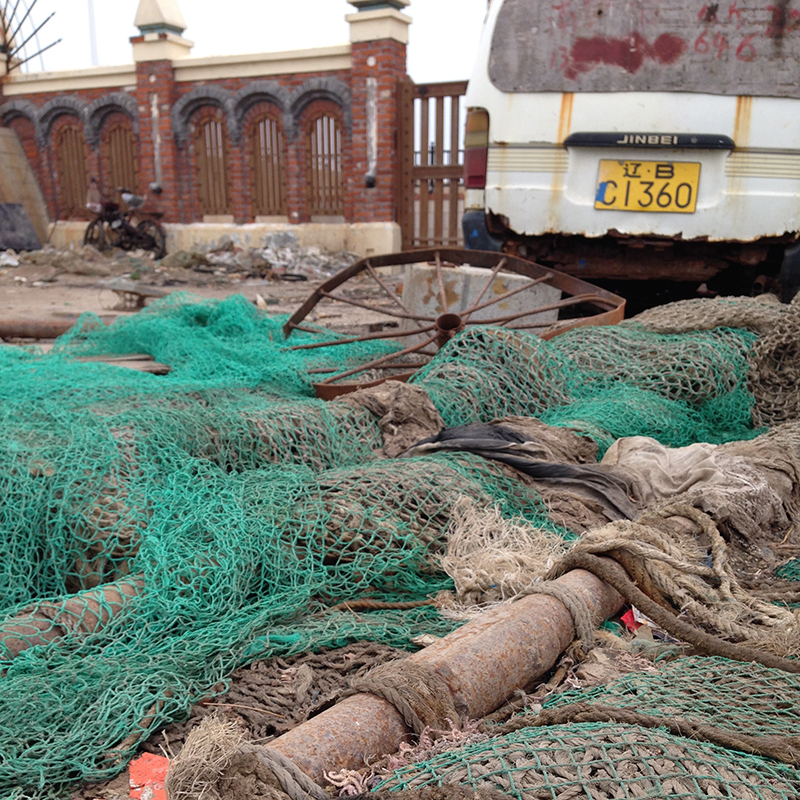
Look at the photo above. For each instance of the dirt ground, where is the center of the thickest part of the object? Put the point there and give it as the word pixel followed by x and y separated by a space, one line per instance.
pixel 41 292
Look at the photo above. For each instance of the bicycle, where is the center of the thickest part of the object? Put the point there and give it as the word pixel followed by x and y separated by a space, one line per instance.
pixel 111 227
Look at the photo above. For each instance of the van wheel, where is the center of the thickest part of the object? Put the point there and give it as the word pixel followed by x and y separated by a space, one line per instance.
pixel 789 276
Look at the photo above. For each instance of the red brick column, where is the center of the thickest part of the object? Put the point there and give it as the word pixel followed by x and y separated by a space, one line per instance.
pixel 385 61
pixel 155 95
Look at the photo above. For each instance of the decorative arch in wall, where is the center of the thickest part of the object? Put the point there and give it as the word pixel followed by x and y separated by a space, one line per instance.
pixel 260 92
pixel 23 117
pixel 188 105
pixel 56 108
pixel 331 89
pixel 14 109
pixel 97 112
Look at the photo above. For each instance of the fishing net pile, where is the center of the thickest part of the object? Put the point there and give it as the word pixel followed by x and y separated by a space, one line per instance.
pixel 604 382
pixel 695 727
pixel 159 532
pixel 602 761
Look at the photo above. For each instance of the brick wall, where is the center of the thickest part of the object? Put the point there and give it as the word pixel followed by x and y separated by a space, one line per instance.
pixel 165 116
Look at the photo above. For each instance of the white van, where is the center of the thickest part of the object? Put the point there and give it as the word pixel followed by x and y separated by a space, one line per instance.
pixel 638 139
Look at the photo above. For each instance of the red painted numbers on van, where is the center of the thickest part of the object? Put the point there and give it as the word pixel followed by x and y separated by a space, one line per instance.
pixel 630 53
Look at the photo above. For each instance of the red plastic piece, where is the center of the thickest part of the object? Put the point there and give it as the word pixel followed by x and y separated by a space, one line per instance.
pixel 148 772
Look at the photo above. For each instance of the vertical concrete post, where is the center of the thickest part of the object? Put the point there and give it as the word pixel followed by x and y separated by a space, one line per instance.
pixel 378 35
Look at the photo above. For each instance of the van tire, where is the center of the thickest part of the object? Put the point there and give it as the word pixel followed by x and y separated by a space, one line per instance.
pixel 789 276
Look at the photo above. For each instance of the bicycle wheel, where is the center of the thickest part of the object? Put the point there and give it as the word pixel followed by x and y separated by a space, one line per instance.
pixel 95 234
pixel 154 237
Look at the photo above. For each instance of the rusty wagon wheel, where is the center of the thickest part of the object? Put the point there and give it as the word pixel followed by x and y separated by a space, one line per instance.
pixel 430 331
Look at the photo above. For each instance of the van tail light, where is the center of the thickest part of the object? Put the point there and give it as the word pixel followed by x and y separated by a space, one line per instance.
pixel 476 148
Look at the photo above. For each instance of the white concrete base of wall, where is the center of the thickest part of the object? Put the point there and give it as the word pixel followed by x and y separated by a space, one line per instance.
pixel 364 238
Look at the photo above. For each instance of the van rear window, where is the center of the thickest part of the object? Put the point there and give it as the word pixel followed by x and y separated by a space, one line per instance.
pixel 736 47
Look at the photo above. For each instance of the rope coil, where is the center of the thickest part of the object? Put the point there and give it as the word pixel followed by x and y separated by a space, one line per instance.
pixel 420 695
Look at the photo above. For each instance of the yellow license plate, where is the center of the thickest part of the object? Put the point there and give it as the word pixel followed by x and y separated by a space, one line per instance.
pixel 631 185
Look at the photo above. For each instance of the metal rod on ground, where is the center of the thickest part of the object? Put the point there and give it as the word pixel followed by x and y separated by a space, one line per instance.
pixel 483 663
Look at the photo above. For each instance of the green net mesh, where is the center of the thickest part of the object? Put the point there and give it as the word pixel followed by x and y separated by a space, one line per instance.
pixel 602 761
pixel 158 531
pixel 746 698
pixel 605 382
pixel 790 571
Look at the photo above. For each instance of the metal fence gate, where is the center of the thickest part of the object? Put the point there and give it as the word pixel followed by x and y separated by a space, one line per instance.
pixel 430 163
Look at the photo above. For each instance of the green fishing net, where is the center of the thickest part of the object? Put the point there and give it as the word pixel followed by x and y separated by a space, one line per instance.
pixel 790 571
pixel 604 382
pixel 745 698
pixel 159 531
pixel 602 761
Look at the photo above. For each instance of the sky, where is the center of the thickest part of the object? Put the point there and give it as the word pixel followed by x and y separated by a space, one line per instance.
pixel 443 36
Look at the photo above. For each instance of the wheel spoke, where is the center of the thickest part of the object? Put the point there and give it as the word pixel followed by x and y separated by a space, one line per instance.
pixel 378 361
pixel 366 338
pixel 309 329
pixel 391 295
pixel 485 289
pixel 511 293
pixel 570 301
pixel 440 279
pixel 397 314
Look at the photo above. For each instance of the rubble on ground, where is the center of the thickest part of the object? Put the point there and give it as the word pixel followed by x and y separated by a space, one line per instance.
pixel 280 257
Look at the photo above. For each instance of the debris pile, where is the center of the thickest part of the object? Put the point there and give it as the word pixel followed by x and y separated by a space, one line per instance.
pixel 279 258
pixel 160 532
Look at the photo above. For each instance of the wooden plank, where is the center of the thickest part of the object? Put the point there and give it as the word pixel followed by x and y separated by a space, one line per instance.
pixel 441 89
pixel 455 161
pixel 405 161
pixel 141 363
pixel 423 186
pixel 437 173
pixel 438 186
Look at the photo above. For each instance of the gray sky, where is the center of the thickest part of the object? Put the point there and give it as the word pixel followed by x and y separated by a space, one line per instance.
pixel 443 36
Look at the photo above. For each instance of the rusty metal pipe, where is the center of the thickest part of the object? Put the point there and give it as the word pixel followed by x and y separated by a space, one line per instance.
pixel 40 328
pixel 483 663
pixel 34 329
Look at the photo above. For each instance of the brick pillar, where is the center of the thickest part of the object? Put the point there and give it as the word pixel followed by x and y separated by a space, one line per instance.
pixel 239 171
pixel 379 37
pixel 159 44
pixel 294 171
